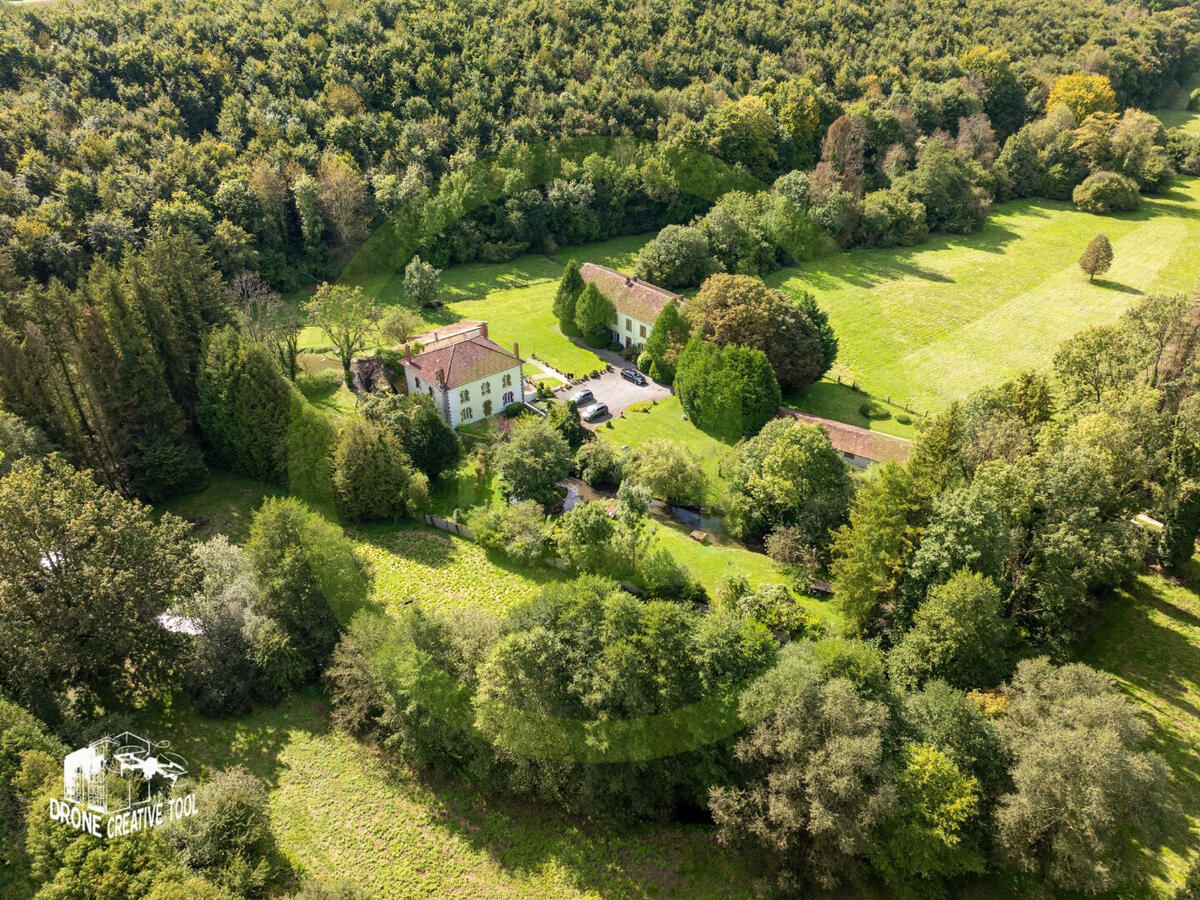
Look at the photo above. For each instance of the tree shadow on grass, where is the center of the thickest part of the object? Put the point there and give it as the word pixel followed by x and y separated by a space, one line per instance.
pixel 1110 285
pixel 255 740
pixel 1149 637
pixel 601 858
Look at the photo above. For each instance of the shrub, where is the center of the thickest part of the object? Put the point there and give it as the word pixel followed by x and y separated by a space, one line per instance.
pixel 1105 192
pixel 513 410
pixel 741 310
pixel 678 257
pixel 430 443
pixel 788 475
pixel 564 418
pixel 222 672
pixel 533 461
pixel 599 463
pixel 594 315
pixel 904 419
pixel 309 579
pixel 570 286
pixel 229 838
pixel 371 474
pixel 874 411
pixel 516 530
pixel 771 605
pixel 959 635
pixel 1193 105
pixel 669 470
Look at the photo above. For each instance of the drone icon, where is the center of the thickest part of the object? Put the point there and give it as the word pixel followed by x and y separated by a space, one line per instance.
pixel 131 758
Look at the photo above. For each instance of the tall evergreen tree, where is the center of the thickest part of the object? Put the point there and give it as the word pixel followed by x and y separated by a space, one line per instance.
pixel 161 456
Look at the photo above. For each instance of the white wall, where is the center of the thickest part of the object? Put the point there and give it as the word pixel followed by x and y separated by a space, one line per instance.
pixel 475 392
pixel 633 331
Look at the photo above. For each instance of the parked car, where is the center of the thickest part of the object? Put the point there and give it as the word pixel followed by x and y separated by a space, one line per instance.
pixel 634 375
pixel 594 412
pixel 583 397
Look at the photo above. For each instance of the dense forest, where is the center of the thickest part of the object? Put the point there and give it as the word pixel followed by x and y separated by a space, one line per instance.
pixel 282 133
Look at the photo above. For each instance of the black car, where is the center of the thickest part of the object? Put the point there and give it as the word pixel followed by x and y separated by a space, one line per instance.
pixel 634 375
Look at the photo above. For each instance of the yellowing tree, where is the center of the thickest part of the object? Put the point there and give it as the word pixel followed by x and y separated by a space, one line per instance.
pixel 1083 94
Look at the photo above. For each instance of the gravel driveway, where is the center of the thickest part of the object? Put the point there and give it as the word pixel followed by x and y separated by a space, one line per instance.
pixel 617 393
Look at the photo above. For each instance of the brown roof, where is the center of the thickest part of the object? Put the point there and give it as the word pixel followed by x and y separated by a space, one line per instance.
pixel 463 361
pixel 629 295
pixel 851 439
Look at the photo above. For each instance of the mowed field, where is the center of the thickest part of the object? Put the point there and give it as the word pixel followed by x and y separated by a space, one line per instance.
pixel 341 812
pixel 1148 638
pixel 919 326
pixel 929 324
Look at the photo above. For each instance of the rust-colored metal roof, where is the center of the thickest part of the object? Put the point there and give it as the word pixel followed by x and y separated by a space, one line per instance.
pixel 463 361
pixel 629 295
pixel 851 439
pixel 448 334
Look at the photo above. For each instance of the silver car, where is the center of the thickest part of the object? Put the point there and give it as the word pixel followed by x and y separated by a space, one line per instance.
pixel 583 397
pixel 594 412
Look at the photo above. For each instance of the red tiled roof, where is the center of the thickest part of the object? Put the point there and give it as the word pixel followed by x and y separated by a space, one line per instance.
pixel 629 296
pixel 851 439
pixel 463 361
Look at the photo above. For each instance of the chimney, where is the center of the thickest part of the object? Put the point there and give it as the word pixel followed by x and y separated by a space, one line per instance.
pixel 408 352
pixel 483 329
pixel 635 279
pixel 627 281
pixel 516 350
pixel 441 378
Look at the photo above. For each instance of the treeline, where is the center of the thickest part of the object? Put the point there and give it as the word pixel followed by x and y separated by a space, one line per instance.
pixel 283 135
pixel 888 177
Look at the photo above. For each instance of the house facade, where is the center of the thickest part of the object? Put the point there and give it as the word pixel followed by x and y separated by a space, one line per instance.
pixel 637 303
pixel 468 375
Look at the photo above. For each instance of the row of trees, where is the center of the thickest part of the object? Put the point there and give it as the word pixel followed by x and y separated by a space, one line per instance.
pixel 847 775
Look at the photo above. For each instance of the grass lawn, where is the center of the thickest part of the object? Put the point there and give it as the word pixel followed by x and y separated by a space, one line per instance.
pixel 339 811
pixel 416 564
pixel 711 563
pixel 831 400
pixel 514 298
pixel 929 324
pixel 665 419
pixel 1149 639
pixel 1177 115
pixel 223 507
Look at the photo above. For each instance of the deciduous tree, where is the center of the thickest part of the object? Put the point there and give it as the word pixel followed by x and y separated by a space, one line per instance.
pixel 346 316
pixel 1097 257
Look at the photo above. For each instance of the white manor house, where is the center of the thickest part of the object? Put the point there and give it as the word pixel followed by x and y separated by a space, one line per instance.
pixel 468 375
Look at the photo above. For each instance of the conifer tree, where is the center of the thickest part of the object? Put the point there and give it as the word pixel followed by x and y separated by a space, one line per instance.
pixel 570 286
